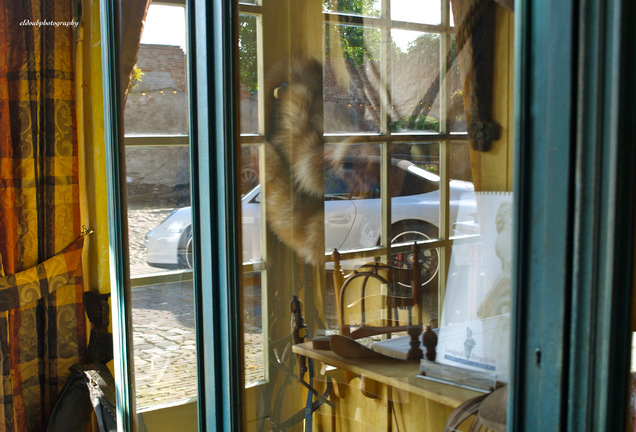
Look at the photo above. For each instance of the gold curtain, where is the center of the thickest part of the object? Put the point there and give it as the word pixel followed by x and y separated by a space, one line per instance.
pixel 42 322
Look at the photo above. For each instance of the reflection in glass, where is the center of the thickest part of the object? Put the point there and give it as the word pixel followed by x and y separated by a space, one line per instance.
pixel 156 123
pixel 415 82
pixel 463 220
pixel 164 344
pixel 253 326
pixel 353 215
pixel 248 70
pixel 415 183
pixel 455 114
pixel 361 8
pixel 351 80
pixel 415 214
pixel 157 101
pixel 251 204
pixel 383 175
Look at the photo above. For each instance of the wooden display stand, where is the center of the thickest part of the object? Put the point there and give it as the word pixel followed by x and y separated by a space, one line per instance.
pixel 399 398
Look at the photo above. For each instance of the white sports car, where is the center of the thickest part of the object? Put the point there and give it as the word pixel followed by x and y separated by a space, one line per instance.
pixel 352 216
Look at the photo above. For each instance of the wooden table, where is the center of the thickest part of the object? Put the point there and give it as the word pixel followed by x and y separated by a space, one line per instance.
pixel 399 374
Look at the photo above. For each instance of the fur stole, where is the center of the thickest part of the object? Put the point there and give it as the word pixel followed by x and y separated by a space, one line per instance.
pixel 294 157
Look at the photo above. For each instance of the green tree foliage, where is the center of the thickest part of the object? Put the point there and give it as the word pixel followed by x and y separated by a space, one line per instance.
pixel 358 7
pixel 358 43
pixel 247 52
pixel 419 123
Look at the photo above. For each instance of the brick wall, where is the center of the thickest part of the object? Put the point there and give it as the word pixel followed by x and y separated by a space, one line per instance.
pixel 158 104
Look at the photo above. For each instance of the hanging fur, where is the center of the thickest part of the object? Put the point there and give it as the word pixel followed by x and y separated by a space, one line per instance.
pixel 294 157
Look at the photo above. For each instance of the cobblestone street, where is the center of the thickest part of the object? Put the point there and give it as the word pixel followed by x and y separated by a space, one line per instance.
pixel 163 329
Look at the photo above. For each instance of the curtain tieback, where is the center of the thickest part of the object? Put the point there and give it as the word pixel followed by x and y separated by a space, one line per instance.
pixel 37 282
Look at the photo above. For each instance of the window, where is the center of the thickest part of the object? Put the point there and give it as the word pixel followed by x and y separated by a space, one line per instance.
pixel 573 258
pixel 382 111
pixel 157 153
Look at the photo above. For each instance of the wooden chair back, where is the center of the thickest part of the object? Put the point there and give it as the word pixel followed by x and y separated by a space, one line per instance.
pixel 377 298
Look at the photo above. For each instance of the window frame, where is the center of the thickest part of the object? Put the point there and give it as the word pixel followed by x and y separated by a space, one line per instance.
pixel 596 114
pixel 571 322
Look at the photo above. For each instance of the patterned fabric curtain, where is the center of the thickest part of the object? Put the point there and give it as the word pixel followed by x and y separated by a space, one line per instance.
pixel 42 322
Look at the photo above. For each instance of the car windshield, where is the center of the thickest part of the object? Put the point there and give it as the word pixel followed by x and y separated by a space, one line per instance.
pixel 359 178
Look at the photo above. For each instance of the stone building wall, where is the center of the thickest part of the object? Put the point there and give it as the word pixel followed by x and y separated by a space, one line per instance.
pixel 158 105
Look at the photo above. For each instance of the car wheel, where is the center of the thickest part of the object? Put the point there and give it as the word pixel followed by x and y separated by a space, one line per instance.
pixel 185 249
pixel 408 233
pixel 249 180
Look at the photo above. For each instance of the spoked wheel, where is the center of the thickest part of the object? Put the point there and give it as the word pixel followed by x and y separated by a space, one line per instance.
pixel 429 258
pixel 249 179
pixel 185 250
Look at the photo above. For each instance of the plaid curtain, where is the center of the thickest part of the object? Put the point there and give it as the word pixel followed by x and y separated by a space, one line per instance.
pixel 42 322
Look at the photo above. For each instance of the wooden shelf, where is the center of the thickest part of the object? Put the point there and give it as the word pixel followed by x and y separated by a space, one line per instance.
pixel 399 374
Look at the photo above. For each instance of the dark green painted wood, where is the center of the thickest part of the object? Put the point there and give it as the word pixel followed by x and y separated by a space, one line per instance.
pixel 199 315
pixel 117 222
pixel 543 211
pixel 574 183
pixel 216 218
pixel 603 260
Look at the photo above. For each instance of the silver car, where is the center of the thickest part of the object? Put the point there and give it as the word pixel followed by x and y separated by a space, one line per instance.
pixel 352 215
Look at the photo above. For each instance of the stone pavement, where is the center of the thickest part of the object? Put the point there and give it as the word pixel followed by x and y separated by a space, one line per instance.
pixel 140 221
pixel 163 328
pixel 164 345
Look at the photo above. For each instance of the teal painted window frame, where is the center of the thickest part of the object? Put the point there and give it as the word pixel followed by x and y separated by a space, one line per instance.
pixel 574 183
pixel 215 215
pixel 117 226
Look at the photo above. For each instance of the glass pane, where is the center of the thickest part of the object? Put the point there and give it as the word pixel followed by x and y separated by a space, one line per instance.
pixel 253 324
pixel 248 70
pixel 415 82
pixel 351 94
pixel 251 203
pixel 158 207
pixel 164 344
pixel 361 7
pixel 353 190
pixel 156 121
pixel 455 113
pixel 157 102
pixel 463 211
pixel 415 215
pixel 359 181
pixel 415 184
pixel 417 11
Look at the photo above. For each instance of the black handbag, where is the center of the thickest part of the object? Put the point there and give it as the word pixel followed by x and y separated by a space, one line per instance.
pixel 89 387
